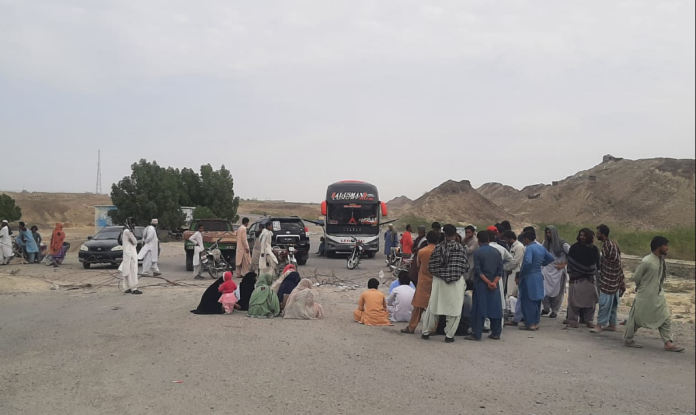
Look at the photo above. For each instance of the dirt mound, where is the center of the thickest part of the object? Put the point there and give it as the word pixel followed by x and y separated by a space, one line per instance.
pixel 399 202
pixel 45 209
pixel 636 194
pixel 304 210
pixel 457 202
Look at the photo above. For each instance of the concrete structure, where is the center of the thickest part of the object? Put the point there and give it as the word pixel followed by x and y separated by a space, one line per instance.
pixel 101 216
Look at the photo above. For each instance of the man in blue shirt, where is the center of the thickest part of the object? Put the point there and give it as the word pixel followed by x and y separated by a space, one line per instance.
pixel 531 280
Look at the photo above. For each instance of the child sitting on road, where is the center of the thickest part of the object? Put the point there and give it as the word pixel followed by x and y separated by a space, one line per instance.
pixel 227 288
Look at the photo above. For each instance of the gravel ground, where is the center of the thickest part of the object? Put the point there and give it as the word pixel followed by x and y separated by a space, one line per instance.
pixel 97 351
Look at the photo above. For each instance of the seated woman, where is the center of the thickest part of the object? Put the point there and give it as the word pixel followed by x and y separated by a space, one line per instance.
pixel 289 284
pixel 301 305
pixel 244 291
pixel 209 302
pixel 283 275
pixel 372 307
pixel 264 302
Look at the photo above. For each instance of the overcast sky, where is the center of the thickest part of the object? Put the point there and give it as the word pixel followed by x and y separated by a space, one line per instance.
pixel 293 95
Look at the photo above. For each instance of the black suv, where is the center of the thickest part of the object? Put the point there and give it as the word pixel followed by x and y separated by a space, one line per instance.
pixel 286 231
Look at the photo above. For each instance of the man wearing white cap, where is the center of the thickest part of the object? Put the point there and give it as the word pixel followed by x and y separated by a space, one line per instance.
pixel 5 243
pixel 149 253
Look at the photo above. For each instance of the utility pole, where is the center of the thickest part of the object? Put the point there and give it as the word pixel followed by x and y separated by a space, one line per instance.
pixel 99 186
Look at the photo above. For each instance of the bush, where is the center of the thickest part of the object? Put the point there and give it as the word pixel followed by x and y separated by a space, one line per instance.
pixel 682 241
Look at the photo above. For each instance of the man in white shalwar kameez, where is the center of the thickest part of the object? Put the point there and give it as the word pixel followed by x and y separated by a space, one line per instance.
pixel 149 253
pixel 5 243
pixel 129 266
pixel 267 260
pixel 197 240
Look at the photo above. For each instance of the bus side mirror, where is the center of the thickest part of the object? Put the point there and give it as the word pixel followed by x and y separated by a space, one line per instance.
pixel 323 208
pixel 384 209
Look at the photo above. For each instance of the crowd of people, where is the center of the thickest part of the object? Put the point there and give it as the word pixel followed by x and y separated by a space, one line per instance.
pixel 514 280
pixel 470 284
pixel 28 244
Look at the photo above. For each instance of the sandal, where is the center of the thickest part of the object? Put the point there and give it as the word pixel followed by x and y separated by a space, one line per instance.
pixel 407 331
pixel 673 348
pixel 633 344
pixel 525 328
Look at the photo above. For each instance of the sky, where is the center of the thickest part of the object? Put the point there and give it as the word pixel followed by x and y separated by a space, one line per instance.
pixel 292 95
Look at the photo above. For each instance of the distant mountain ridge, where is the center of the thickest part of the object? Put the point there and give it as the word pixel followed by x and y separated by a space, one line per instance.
pixel 456 202
pixel 637 194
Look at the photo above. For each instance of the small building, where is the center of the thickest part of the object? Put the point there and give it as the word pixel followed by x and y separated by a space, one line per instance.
pixel 101 216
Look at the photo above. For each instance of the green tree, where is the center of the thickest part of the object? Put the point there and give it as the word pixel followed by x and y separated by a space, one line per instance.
pixel 8 210
pixel 189 188
pixel 149 192
pixel 217 192
pixel 202 212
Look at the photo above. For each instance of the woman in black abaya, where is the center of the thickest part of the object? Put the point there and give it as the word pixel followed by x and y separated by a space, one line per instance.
pixel 209 302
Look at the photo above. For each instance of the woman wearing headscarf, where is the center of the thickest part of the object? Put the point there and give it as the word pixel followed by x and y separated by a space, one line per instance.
pixel 289 284
pixel 555 274
pixel 56 244
pixel 209 302
pixel 264 302
pixel 245 289
pixel 583 261
pixel 290 268
pixel 301 305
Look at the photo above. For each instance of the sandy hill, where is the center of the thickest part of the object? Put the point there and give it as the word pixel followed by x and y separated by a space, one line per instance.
pixel 400 202
pixel 45 209
pixel 456 202
pixel 637 194
pixel 310 211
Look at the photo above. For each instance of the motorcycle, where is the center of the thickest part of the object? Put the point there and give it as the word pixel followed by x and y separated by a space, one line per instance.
pixel 396 259
pixel 353 260
pixel 214 262
pixel 285 257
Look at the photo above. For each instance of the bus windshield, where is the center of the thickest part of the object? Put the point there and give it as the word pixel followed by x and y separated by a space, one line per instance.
pixel 353 214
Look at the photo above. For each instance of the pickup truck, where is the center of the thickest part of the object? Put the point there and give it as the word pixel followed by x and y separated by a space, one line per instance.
pixel 214 229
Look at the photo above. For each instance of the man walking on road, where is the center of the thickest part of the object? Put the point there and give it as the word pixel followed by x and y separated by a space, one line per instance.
pixel 448 264
pixel 149 253
pixel 650 308
pixel 611 282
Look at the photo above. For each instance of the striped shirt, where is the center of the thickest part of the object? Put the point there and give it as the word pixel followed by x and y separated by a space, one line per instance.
pixel 611 275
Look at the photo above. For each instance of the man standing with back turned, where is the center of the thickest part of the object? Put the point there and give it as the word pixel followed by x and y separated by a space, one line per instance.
pixel 650 308
pixel 448 264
